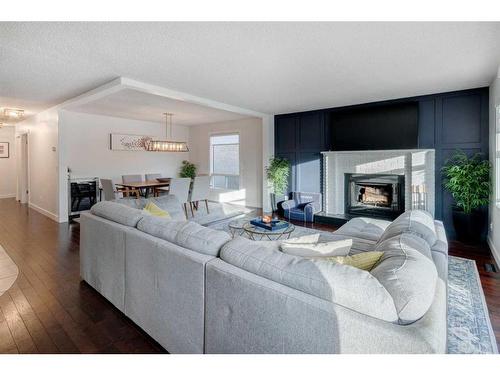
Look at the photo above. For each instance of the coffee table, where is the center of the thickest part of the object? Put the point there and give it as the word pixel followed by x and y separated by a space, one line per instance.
pixel 257 233
pixel 236 227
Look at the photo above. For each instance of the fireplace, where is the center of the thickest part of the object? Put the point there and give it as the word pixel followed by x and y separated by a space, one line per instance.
pixel 378 195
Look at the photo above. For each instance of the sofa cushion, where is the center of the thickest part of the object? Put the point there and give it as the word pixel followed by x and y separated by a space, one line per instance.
pixel 344 285
pixel 161 227
pixel 118 213
pixel 201 239
pixel 187 234
pixel 318 249
pixel 408 273
pixel 418 222
pixel 364 228
pixel 153 210
pixel 167 202
pixel 364 261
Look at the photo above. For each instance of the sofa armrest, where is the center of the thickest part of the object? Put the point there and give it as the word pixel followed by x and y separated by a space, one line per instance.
pixel 313 207
pixel 289 204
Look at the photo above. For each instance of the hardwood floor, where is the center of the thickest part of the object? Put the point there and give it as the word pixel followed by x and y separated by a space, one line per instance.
pixel 49 310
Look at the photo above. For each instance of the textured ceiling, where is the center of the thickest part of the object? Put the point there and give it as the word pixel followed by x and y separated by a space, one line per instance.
pixel 267 67
pixel 136 105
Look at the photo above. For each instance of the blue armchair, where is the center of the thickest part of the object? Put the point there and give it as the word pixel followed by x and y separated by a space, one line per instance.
pixel 302 206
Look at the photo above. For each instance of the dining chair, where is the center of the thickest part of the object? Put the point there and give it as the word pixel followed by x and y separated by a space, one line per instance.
pixel 126 178
pixel 180 188
pixel 200 192
pixel 152 176
pixel 110 191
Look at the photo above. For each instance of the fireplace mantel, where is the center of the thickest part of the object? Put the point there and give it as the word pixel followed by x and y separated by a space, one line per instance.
pixel 417 166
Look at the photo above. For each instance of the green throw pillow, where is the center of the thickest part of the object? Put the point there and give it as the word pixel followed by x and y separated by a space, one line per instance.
pixel 364 261
pixel 154 210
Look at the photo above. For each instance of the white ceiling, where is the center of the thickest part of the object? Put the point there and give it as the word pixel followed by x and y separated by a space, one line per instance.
pixel 266 67
pixel 136 105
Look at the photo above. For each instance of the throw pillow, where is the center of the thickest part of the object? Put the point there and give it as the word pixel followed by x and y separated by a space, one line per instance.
pixel 320 249
pixel 309 238
pixel 153 210
pixel 364 261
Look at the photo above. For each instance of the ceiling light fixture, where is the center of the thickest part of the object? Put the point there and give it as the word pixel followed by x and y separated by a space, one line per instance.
pixel 13 113
pixel 167 145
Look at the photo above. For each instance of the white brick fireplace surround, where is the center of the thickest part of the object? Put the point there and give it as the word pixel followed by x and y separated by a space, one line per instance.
pixel 418 167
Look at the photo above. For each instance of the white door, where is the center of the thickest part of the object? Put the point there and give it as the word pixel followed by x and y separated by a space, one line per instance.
pixel 22 168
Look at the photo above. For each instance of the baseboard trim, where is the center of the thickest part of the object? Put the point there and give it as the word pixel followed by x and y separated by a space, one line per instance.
pixel 7 196
pixel 44 212
pixel 494 250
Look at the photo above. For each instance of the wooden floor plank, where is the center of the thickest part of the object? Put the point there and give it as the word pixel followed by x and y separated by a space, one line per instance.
pixel 49 309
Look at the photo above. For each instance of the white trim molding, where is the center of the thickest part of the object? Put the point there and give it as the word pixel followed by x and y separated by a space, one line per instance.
pixel 494 251
pixel 7 196
pixel 44 212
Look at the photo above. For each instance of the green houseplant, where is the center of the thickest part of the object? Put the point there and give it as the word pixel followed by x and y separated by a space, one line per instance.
pixel 188 169
pixel 468 181
pixel 277 172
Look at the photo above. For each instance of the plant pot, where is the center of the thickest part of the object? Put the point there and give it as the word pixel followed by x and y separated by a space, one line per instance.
pixel 469 227
pixel 275 200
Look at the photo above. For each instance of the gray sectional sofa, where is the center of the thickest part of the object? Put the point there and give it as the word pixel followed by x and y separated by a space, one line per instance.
pixel 197 290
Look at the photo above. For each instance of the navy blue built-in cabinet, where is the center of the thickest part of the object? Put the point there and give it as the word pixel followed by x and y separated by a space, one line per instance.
pixel 446 121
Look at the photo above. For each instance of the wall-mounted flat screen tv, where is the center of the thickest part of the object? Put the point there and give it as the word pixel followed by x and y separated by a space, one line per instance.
pixel 381 127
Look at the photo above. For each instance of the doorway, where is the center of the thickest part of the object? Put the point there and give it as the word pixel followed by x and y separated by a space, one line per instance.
pixel 22 168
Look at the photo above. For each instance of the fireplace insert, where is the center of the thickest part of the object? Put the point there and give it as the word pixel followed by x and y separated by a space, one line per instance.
pixel 377 195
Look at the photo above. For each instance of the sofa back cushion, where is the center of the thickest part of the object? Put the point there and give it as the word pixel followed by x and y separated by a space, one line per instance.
pixel 118 213
pixel 417 222
pixel 341 284
pixel 187 234
pixel 167 202
pixel 407 272
pixel 161 227
pixel 202 239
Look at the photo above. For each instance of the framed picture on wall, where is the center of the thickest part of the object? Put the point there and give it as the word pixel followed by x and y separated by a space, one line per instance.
pixel 128 142
pixel 4 149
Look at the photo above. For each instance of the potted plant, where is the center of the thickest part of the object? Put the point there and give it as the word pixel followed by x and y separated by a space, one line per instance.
pixel 468 180
pixel 277 175
pixel 188 169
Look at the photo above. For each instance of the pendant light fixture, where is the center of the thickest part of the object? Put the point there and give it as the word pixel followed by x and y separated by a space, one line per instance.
pixel 167 145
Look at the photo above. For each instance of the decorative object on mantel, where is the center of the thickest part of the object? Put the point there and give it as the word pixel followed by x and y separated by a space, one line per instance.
pixel 167 145
pixel 4 149
pixel 468 181
pixel 128 142
pixel 277 172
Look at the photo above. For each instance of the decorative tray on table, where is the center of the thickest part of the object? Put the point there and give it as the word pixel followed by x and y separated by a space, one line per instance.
pixel 272 226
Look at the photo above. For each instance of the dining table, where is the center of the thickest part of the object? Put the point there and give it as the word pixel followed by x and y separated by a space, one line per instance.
pixel 143 185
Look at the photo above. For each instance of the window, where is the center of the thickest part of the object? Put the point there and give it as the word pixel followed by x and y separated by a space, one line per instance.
pixel 497 159
pixel 225 161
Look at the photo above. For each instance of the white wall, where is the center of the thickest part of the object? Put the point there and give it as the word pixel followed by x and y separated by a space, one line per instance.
pixel 251 163
pixel 8 165
pixel 494 232
pixel 43 161
pixel 84 140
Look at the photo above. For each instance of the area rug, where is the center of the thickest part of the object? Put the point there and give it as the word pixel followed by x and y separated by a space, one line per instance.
pixel 8 271
pixel 469 325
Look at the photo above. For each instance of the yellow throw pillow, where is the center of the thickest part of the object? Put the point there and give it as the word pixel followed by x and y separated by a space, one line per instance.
pixel 364 261
pixel 154 210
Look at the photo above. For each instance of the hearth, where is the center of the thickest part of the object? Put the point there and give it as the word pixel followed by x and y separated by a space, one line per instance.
pixel 377 195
